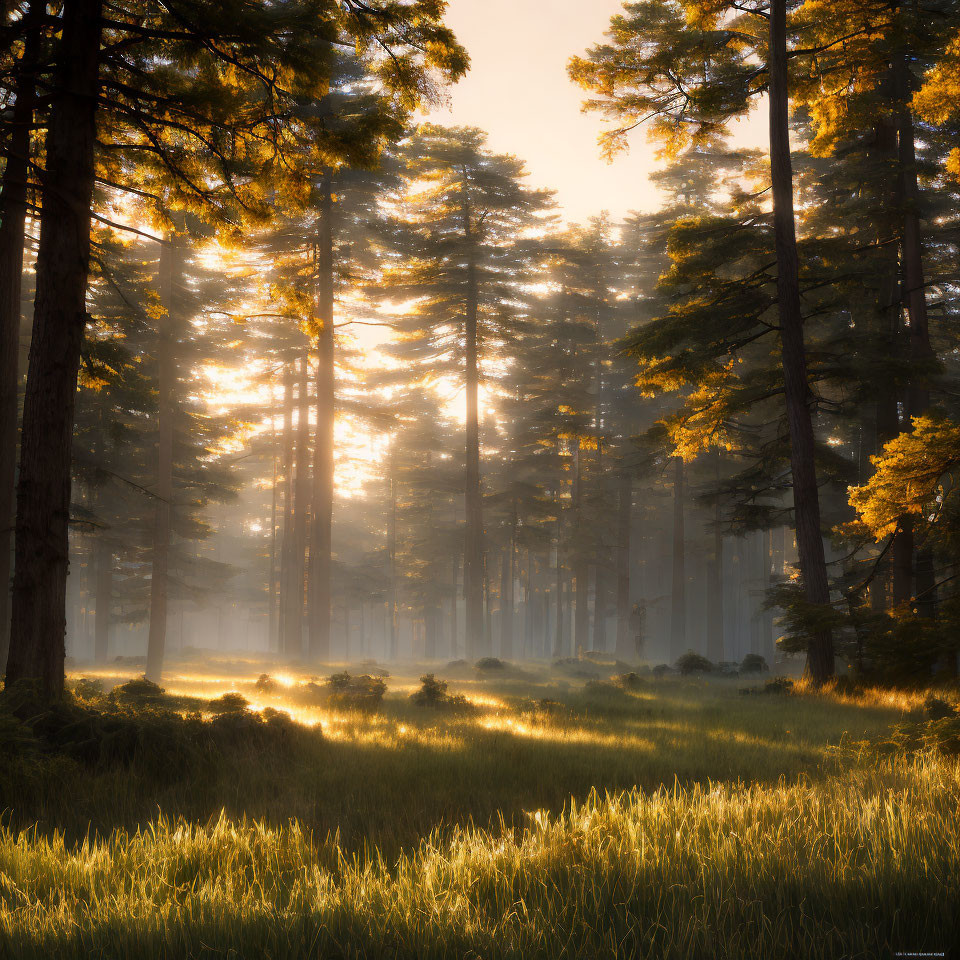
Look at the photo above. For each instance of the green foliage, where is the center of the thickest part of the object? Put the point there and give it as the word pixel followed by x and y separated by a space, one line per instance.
pixel 433 693
pixel 140 692
pixel 693 663
pixel 229 703
pixel 362 693
pixel 753 663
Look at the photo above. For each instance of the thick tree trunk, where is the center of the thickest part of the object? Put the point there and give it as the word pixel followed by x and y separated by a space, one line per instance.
pixel 625 649
pixel 170 282
pixel 321 529
pixel 678 589
pixel 43 492
pixel 473 573
pixel 13 214
pixel 806 498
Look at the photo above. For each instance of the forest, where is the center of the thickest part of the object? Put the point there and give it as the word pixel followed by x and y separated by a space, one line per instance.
pixel 397 564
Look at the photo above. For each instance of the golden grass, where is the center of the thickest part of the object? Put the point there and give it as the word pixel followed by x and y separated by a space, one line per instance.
pixel 681 821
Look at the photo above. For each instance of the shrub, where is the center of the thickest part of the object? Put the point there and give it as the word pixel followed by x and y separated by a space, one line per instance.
pixel 139 692
pixel 229 703
pixel 936 708
pixel 728 668
pixel 629 681
pixel 87 689
pixel 778 685
pixel 753 663
pixel 661 670
pixel 364 692
pixel 490 665
pixel 691 663
pixel 433 693
pixel 265 684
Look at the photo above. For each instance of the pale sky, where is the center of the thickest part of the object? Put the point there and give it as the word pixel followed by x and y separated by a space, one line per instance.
pixel 517 90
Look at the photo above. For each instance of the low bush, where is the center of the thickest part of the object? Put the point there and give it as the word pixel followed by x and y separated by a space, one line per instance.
pixel 753 663
pixel 490 665
pixel 433 693
pixel 362 693
pixel 693 663
pixel 629 681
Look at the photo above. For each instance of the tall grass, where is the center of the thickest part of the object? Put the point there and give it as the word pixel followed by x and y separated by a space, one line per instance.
pixel 678 820
pixel 855 866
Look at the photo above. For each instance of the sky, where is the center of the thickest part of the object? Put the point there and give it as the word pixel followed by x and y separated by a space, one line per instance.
pixel 517 90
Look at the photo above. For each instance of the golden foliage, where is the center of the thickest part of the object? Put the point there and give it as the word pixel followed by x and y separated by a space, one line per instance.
pixel 909 476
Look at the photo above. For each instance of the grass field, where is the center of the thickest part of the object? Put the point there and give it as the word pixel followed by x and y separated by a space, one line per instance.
pixel 548 818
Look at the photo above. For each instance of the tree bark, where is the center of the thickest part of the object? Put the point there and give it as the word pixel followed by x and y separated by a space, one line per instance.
pixel 321 529
pixel 473 572
pixel 300 519
pixel 678 591
pixel 581 570
pixel 506 599
pixel 813 570
pixel 286 534
pixel 170 281
pixel 915 297
pixel 103 599
pixel 392 561
pixel 625 649
pixel 13 214
pixel 43 493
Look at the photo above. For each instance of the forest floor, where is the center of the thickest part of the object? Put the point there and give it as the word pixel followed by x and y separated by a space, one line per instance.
pixel 543 814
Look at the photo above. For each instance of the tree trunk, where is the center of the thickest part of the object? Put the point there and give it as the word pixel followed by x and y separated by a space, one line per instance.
pixel 558 650
pixel 272 634
pixel 806 498
pixel 915 296
pixel 678 590
pixel 392 560
pixel 286 535
pixel 321 528
pixel 625 649
pixel 506 600
pixel 473 573
pixel 300 519
pixel 43 493
pixel 581 570
pixel 170 281
pixel 103 599
pixel 715 582
pixel 13 213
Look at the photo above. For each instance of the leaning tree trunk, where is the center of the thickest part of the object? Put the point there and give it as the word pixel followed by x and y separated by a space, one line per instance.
pixel 38 621
pixel 170 283
pixel 806 497
pixel 321 529
pixel 13 214
pixel 678 592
